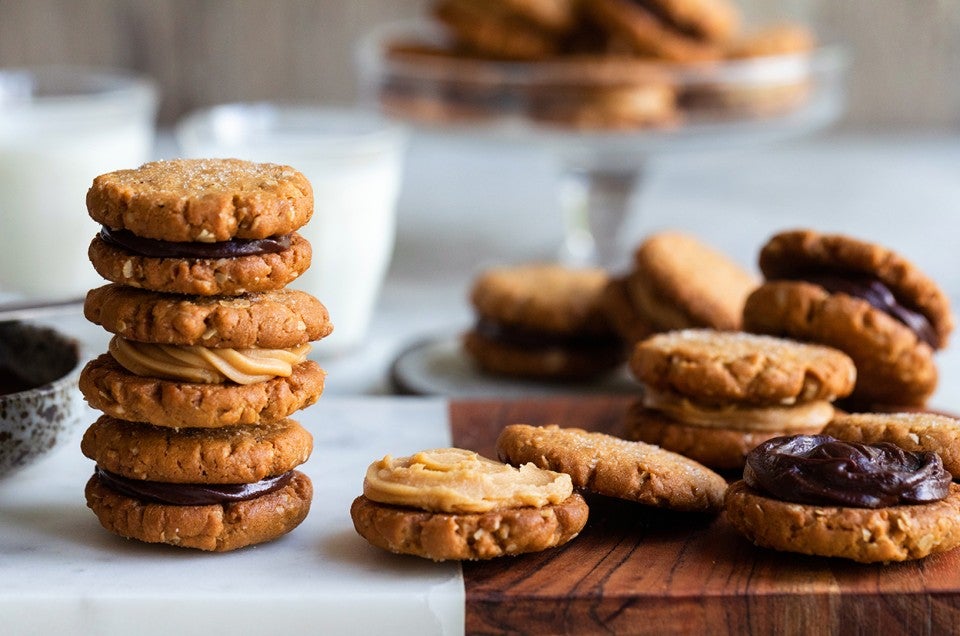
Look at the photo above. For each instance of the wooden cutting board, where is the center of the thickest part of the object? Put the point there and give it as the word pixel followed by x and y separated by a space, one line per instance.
pixel 639 570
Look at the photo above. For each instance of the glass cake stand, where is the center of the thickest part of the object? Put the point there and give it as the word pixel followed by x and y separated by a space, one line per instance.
pixel 600 118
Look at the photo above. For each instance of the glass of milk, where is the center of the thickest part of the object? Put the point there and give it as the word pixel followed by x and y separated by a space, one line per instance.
pixel 59 128
pixel 353 160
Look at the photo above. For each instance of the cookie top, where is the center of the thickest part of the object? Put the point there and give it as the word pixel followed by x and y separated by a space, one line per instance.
pixel 716 367
pixel 781 39
pixel 679 282
pixel 543 297
pixel 615 467
pixel 202 200
pixel 796 253
pixel 714 20
pixel 911 431
pixel 495 34
pixel 275 319
pixel 230 455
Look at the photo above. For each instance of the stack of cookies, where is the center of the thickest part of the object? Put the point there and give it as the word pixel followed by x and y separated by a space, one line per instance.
pixel 209 353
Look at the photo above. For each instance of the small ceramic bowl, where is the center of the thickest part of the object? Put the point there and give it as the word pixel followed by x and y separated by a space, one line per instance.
pixel 39 399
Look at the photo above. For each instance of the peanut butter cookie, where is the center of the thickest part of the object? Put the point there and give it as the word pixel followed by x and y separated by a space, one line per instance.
pixel 615 467
pixel 276 319
pixel 204 200
pixel 218 527
pixel 227 455
pixel 861 298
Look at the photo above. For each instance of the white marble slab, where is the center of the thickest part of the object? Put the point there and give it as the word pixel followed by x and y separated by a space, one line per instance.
pixel 61 573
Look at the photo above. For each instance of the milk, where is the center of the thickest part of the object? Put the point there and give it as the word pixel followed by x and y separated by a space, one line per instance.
pixel 354 163
pixel 51 148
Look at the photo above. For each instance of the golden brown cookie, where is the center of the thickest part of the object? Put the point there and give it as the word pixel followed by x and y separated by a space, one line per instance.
pixel 718 448
pixel 271 320
pixel 780 39
pixel 893 366
pixel 495 34
pixel 215 527
pixel 227 455
pixel 202 200
pixel 110 388
pixel 542 321
pixel 796 254
pixel 714 20
pixel 647 33
pixel 678 282
pixel 867 535
pixel 717 367
pixel 468 536
pixel 912 431
pixel 622 313
pixel 615 467
pixel 203 277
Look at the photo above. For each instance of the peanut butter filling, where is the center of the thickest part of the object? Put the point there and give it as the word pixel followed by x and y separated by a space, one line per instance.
pixel 804 416
pixel 460 481
pixel 205 365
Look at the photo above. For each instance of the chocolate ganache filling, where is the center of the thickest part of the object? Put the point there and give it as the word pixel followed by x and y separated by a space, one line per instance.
pixel 190 494
pixel 823 471
pixel 154 248
pixel 873 291
pixel 530 339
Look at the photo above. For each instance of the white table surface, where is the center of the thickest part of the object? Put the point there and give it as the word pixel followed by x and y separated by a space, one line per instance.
pixel 463 207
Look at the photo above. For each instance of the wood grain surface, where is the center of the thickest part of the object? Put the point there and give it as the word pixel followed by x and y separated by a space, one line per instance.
pixel 639 570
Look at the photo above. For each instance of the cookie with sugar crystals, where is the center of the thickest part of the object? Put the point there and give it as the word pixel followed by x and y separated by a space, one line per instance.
pixel 912 431
pixel 202 200
pixel 861 298
pixel 209 522
pixel 679 282
pixel 615 467
pixel 228 455
pixel 275 319
pixel 713 395
pixel 542 321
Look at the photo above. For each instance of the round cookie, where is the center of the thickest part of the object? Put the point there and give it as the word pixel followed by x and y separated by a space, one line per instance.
pixel 542 297
pixel 867 535
pixel 615 467
pixel 203 277
pixel 268 320
pixel 678 282
pixel 622 314
pixel 214 527
pixel 468 536
pixel 110 388
pixel 542 321
pixel 202 200
pixel 714 20
pixel 893 366
pixel 718 448
pixel 647 33
pixel 227 455
pixel 781 39
pixel 912 431
pixel 494 34
pixel 586 106
pixel 795 253
pixel 718 367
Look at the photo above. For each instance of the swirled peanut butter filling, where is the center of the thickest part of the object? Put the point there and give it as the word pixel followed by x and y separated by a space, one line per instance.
pixel 802 416
pixel 205 365
pixel 461 481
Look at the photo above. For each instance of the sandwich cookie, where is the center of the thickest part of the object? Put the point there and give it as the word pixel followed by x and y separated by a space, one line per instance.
pixel 677 282
pixel 204 362
pixel 542 321
pixel 861 298
pixel 615 467
pixel 713 396
pixel 452 504
pixel 202 227
pixel 211 490
pixel 870 503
